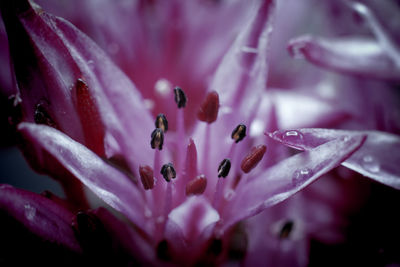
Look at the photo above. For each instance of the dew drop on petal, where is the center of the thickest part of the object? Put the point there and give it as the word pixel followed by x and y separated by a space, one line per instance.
pixel 292 136
pixel 30 212
pixel 370 164
pixel 300 175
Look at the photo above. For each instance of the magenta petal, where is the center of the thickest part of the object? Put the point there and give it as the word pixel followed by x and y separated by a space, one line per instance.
pixel 287 177
pixel 357 56
pixel 76 83
pixel 193 216
pixel 110 185
pixel 243 71
pixel 39 215
pixel 378 158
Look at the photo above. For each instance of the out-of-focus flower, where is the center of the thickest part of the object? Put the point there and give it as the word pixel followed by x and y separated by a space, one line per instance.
pixel 187 181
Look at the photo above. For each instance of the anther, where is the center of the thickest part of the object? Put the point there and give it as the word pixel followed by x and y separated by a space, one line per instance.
pixel 224 167
pixel 208 111
pixel 196 186
pixel 41 116
pixel 147 177
pixel 180 97
pixel 286 229
pixel 161 122
pixel 239 133
pixel 253 158
pixel 168 172
pixel 157 139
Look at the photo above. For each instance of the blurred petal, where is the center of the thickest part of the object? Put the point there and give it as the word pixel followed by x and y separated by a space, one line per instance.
pixel 286 178
pixel 377 158
pixel 61 69
pixel 193 216
pixel 106 182
pixel 43 217
pixel 357 56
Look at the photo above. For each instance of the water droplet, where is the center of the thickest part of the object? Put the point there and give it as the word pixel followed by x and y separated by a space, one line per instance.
pixel 300 175
pixel 147 213
pixel 30 212
pixel 345 138
pixel 292 136
pixel 370 164
pixel 229 194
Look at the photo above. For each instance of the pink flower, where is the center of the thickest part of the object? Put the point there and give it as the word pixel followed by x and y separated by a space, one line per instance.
pixel 190 167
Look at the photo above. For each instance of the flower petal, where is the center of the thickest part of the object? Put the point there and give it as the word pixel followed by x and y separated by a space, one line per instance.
pixel 39 215
pixel 286 178
pixel 193 216
pixel 377 158
pixel 106 182
pixel 76 84
pixel 359 56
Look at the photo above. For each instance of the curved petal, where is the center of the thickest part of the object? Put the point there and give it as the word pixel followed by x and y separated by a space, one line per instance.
pixel 193 216
pixel 357 56
pixel 378 158
pixel 39 215
pixel 286 178
pixel 76 84
pixel 106 182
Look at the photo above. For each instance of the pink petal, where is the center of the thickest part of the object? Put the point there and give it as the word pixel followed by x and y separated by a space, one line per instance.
pixel 40 216
pixel 358 56
pixel 286 178
pixel 378 158
pixel 56 56
pixel 112 186
pixel 193 216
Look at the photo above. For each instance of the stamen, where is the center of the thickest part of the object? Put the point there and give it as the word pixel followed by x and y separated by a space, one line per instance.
pixel 239 133
pixel 286 229
pixel 253 158
pixel 161 122
pixel 41 116
pixel 168 172
pixel 157 139
pixel 223 168
pixel 180 97
pixel 147 177
pixel 197 186
pixel 208 111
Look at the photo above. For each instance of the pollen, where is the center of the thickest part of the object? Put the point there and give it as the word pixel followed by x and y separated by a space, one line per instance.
pixel 180 97
pixel 251 160
pixel 208 111
pixel 168 172
pixel 161 122
pixel 239 133
pixel 224 168
pixel 157 139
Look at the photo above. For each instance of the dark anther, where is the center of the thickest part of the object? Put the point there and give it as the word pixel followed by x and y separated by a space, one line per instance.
pixel 161 122
pixel 239 133
pixel 180 97
pixel 286 229
pixel 162 250
pixel 147 177
pixel 157 139
pixel 215 247
pixel 224 167
pixel 41 116
pixel 253 158
pixel 196 186
pixel 208 111
pixel 168 172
